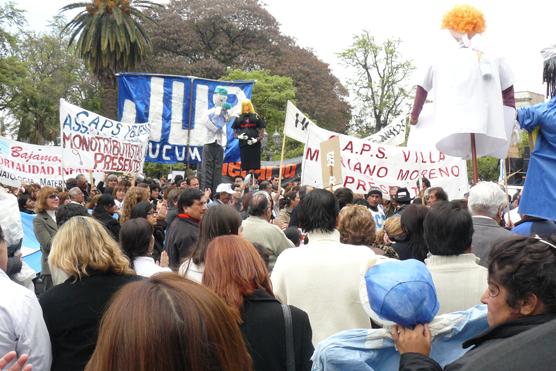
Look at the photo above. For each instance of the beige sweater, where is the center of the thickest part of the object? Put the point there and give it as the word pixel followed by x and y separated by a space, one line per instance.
pixel 322 278
pixel 459 280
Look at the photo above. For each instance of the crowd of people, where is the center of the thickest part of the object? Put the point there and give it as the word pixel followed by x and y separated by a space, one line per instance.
pixel 159 274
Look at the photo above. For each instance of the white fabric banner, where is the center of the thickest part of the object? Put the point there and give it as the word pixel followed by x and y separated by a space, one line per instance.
pixel 96 143
pixel 393 134
pixel 296 125
pixel 367 165
pixel 23 163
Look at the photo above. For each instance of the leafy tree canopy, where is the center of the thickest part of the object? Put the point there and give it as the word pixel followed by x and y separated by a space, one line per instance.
pixel 378 84
pixel 206 39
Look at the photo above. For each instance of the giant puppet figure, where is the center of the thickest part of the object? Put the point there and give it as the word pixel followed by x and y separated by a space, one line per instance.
pixel 472 92
pixel 249 129
pixel 213 151
pixel 539 193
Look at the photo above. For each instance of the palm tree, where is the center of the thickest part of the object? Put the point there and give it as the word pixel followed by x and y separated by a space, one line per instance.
pixel 109 36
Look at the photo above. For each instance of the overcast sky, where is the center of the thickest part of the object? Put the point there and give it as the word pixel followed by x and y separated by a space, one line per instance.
pixel 518 29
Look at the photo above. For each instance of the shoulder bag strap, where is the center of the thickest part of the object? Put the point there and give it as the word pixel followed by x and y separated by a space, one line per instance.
pixel 290 353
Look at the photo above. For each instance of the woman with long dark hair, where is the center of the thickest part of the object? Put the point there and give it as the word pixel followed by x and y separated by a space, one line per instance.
pixel 219 220
pixel 413 246
pixel 235 271
pixel 147 211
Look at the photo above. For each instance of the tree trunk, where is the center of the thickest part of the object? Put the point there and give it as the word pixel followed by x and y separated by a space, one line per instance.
pixel 109 99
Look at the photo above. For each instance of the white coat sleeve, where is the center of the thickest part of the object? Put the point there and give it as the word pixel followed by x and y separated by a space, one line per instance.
pixel 34 339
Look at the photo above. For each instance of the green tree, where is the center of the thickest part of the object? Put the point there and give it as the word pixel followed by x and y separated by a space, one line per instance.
pixel 270 96
pixel 488 168
pixel 110 38
pixel 379 82
pixel 11 68
pixel 42 73
pixel 206 38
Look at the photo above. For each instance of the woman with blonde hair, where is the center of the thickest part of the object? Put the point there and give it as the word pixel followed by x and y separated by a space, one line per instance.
pixel 192 329
pixel 44 226
pixel 235 271
pixel 133 196
pixel 83 251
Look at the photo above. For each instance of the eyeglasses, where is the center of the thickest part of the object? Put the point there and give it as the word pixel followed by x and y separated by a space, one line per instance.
pixel 52 196
pixel 152 212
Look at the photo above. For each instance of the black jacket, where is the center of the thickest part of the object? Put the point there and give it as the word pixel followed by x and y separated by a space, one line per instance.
pixel 72 313
pixel 264 329
pixel 111 224
pixel 515 345
pixel 181 239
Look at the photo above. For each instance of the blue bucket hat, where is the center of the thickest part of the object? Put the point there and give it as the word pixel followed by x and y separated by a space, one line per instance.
pixel 402 292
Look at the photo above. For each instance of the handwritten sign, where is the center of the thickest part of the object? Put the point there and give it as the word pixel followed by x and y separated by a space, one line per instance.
pixel 97 143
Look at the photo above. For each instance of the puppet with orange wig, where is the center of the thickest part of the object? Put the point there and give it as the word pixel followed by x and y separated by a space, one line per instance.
pixel 249 129
pixel 472 92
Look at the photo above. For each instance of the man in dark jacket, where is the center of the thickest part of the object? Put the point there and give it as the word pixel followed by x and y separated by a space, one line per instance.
pixel 183 232
pixel 487 203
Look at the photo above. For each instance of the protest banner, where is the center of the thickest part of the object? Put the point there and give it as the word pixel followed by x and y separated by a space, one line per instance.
pixel 367 165
pixel 23 163
pixel 392 134
pixel 291 170
pixel 177 107
pixel 97 143
pixel 296 124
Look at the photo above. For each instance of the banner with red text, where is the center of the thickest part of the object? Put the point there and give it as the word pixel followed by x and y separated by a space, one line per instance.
pixel 367 165
pixel 23 163
pixel 291 170
pixel 96 143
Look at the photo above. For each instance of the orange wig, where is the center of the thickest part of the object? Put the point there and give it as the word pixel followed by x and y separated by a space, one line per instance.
pixel 464 19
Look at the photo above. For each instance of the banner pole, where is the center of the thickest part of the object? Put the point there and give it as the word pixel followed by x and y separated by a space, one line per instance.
pixel 281 163
pixel 189 125
pixel 474 159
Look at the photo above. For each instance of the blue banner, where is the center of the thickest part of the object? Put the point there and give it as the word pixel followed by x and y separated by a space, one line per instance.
pixel 178 108
pixel 30 242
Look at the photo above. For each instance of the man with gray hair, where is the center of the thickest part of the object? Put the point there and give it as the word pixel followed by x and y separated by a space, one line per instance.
pixel 76 196
pixel 257 227
pixel 486 203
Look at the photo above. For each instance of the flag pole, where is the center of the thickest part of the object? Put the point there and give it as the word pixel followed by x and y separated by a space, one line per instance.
pixel 281 162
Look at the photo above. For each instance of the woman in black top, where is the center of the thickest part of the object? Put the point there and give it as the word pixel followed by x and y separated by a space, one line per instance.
pixel 236 272
pixel 104 213
pixel 82 250
pixel 145 209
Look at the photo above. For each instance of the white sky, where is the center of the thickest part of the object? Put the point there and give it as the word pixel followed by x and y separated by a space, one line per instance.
pixel 519 29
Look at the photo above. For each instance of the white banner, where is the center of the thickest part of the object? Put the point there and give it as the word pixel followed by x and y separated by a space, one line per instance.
pixel 392 134
pixel 93 142
pixel 367 165
pixel 296 125
pixel 28 163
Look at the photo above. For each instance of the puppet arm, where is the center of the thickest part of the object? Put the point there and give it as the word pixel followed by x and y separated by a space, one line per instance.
pixel 420 98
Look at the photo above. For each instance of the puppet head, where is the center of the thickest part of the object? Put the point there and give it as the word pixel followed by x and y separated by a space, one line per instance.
pixel 247 106
pixel 220 96
pixel 464 19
